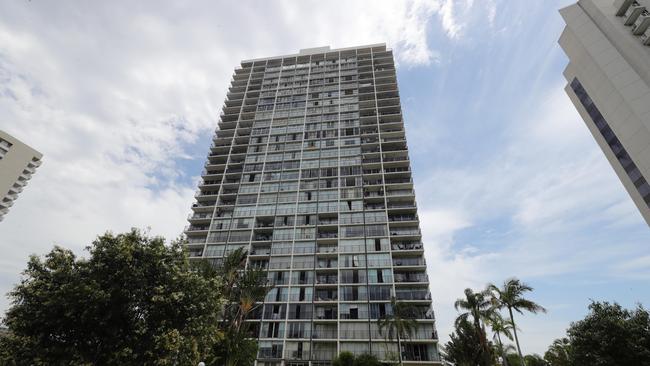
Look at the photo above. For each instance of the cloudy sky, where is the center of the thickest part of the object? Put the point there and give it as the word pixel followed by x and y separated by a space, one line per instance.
pixel 122 99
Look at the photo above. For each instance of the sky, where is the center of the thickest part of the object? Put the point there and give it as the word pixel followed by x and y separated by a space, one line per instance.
pixel 122 99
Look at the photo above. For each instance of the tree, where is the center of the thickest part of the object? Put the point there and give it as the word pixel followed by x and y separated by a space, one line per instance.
pixel 478 306
pixel 133 301
pixel 535 360
pixel 531 360
pixel 511 297
pixel 611 335
pixel 243 289
pixel 366 360
pixel 559 353
pixel 464 346
pixel 500 326
pixel 344 358
pixel 398 324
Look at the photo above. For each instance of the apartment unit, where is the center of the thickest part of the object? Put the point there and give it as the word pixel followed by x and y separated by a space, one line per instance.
pixel 17 164
pixel 309 171
pixel 608 45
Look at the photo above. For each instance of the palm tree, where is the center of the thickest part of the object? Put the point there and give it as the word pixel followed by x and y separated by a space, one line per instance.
pixel 511 296
pixel 400 323
pixel 243 289
pixel 479 307
pixel 500 326
pixel 559 352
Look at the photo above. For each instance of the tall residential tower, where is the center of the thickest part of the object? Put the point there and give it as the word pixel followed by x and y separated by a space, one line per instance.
pixel 17 164
pixel 309 171
pixel 608 44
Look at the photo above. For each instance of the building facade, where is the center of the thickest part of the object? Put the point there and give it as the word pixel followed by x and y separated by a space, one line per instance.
pixel 309 171
pixel 608 45
pixel 17 164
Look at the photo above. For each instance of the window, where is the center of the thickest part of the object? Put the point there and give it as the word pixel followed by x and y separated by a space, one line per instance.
pixel 353 276
pixel 303 262
pixel 633 172
pixel 353 260
pixel 354 331
pixel 379 292
pixel 214 250
pixel 239 236
pixel 380 276
pixel 351 231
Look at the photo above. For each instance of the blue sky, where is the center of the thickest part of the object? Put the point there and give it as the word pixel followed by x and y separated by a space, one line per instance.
pixel 122 100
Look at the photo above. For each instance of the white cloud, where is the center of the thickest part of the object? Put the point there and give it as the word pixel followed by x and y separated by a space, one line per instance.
pixel 457 16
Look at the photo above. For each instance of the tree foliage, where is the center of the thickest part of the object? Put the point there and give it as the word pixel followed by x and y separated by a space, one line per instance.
pixel 134 301
pixel 500 326
pixel 366 359
pixel 478 306
pixel 608 335
pixel 511 297
pixel 464 347
pixel 558 354
pixel 611 335
pixel 346 358
pixel 531 360
pixel 242 289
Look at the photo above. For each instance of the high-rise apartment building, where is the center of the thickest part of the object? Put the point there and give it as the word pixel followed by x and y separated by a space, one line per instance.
pixel 17 164
pixel 608 45
pixel 309 171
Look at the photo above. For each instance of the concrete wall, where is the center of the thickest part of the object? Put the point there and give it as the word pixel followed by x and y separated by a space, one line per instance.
pixel 614 69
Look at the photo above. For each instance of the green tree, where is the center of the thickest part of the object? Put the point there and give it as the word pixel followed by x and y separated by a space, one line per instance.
pixel 611 335
pixel 133 301
pixel 464 346
pixel 399 323
pixel 366 360
pixel 531 360
pixel 534 360
pixel 478 306
pixel 559 353
pixel 500 326
pixel 511 297
pixel 243 289
pixel 344 358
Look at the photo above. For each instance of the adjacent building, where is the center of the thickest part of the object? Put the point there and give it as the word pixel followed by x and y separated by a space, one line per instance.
pixel 17 164
pixel 608 45
pixel 309 171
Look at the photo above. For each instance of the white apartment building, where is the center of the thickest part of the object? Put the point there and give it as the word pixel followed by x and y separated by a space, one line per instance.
pixel 608 45
pixel 309 171
pixel 17 164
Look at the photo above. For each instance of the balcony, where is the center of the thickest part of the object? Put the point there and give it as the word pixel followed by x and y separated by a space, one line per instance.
pixel 407 246
pixel 399 218
pixel 327 249
pixel 262 237
pixel 329 263
pixel 405 232
pixel 193 228
pixel 261 251
pixel 413 294
pixel 409 262
pixel 409 277
pixel 327 235
pixel 266 353
pixel 329 280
